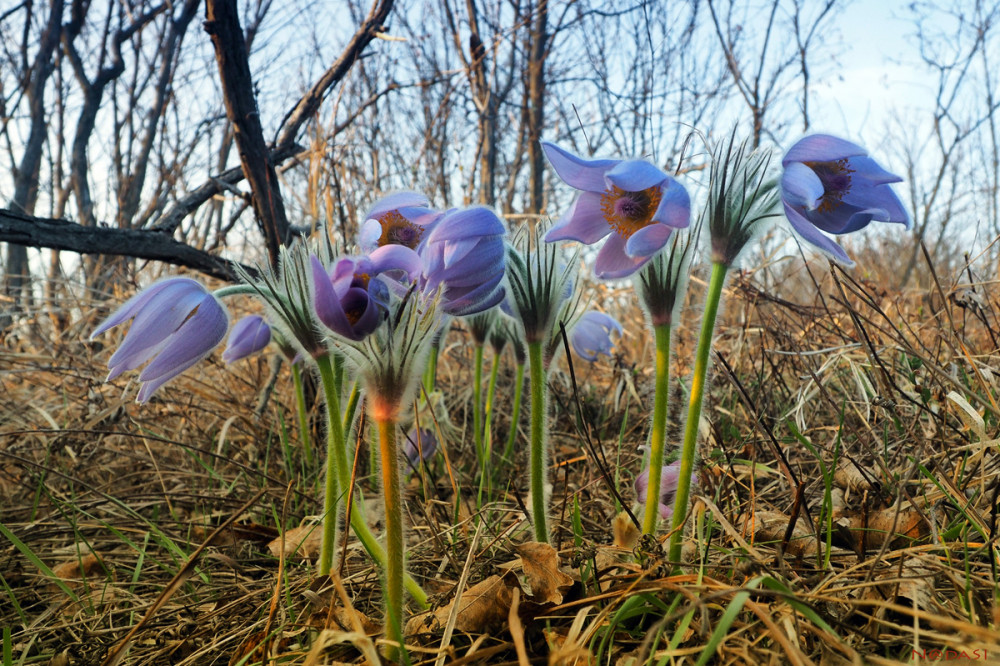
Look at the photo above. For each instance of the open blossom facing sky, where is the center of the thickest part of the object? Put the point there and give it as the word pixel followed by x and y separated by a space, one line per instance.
pixel 831 185
pixel 175 322
pixel 402 218
pixel 633 202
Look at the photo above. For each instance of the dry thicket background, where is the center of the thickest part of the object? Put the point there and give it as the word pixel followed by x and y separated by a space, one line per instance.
pixel 847 504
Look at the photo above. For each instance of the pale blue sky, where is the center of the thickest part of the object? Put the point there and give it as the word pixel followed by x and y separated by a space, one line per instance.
pixel 878 75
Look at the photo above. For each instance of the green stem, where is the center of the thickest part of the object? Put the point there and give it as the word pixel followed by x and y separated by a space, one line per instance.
pixel 539 466
pixel 477 405
pixel 393 528
pixel 336 462
pixel 352 406
pixel 300 403
pixel 430 373
pixel 658 431
pixel 690 444
pixel 235 290
pixel 491 390
pixel 515 414
pixel 343 470
pixel 485 461
pixel 338 374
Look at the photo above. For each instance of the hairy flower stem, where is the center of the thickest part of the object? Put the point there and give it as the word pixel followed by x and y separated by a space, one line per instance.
pixel 430 373
pixel 352 406
pixel 491 391
pixel 477 407
pixel 539 466
pixel 392 495
pixel 515 413
pixel 714 296
pixel 485 480
pixel 336 460
pixel 342 472
pixel 300 403
pixel 658 431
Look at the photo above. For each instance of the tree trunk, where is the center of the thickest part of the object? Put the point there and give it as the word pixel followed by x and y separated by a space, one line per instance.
pixel 222 24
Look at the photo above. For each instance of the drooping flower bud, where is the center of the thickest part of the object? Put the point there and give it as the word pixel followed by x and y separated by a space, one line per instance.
pixel 175 322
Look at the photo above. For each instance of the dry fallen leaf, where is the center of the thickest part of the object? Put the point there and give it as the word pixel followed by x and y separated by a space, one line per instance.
pixel 86 564
pixel 481 608
pixel 543 582
pixel 849 478
pixel 771 526
pixel 873 529
pixel 304 541
pixel 625 532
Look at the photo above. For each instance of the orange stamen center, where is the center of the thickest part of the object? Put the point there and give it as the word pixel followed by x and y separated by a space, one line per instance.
pixel 628 212
pixel 397 230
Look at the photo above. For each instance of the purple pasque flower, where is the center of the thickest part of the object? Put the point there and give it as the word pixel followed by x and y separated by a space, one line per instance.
pixel 634 202
pixel 175 322
pixel 668 487
pixel 350 298
pixel 592 335
pixel 402 218
pixel 249 336
pixel 831 185
pixel 464 258
pixel 419 446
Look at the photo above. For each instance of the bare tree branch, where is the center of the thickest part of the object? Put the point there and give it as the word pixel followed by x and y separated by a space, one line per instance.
pixel 56 234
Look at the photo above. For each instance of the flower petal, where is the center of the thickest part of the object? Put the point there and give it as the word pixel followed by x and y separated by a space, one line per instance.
pixel 136 303
pixel 327 302
pixel 809 233
pixel 368 237
pixel 156 322
pixel 648 240
pixel 584 222
pixel 880 197
pixel 635 175
pixel 249 336
pixel 465 223
pixel 577 172
pixel 396 257
pixel 800 186
pixel 396 200
pixel 613 262
pixel 867 171
pixel 193 341
pixel 821 148
pixel 675 206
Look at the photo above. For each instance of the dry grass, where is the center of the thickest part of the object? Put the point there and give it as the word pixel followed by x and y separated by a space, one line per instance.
pixel 845 511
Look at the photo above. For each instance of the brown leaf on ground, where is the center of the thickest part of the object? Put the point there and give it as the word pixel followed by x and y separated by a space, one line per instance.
pixel 543 582
pixel 849 478
pixel 304 541
pixel 73 570
pixel 875 527
pixel 481 608
pixel 771 526
pixel 346 617
pixel 625 532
